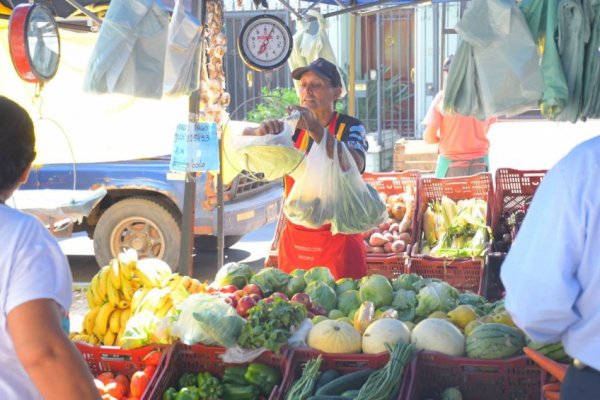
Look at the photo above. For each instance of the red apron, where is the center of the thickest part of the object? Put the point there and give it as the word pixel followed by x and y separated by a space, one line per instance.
pixel 304 248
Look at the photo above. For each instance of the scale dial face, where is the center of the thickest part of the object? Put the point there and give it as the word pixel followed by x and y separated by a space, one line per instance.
pixel 34 42
pixel 265 43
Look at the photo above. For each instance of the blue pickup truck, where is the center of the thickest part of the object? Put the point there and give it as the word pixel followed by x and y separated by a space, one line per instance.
pixel 143 203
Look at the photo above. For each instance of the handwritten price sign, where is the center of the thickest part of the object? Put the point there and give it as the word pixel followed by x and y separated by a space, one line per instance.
pixel 195 148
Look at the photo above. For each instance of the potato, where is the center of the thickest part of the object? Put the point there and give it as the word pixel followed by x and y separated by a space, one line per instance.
pixel 388 247
pixel 394 227
pixel 368 247
pixel 377 250
pixel 384 226
pixel 377 239
pixel 405 236
pixel 399 246
pixel 389 237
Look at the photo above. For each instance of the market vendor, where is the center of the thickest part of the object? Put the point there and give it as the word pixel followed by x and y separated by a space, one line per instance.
pixel 299 246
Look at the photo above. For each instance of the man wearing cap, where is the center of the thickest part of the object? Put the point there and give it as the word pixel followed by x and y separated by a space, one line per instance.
pixel 301 247
pixel 462 140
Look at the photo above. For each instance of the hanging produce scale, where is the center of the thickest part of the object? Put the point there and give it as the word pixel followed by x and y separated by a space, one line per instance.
pixel 265 43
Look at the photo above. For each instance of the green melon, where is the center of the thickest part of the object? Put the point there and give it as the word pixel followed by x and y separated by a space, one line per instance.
pixel 554 351
pixel 489 341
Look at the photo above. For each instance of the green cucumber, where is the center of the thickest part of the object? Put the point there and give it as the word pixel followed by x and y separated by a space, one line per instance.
pixel 353 380
pixel 326 377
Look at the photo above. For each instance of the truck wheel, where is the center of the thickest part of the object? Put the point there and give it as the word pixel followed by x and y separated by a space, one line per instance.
pixel 139 223
pixel 209 242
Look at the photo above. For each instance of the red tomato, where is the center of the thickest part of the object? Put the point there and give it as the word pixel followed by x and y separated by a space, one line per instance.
pixel 123 379
pixel 105 377
pixel 139 383
pixel 150 370
pixel 116 389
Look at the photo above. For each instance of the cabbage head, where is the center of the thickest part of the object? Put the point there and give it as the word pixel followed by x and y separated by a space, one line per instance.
pixel 348 301
pixel 344 284
pixel 406 281
pixel 234 274
pixel 319 274
pixel 378 290
pixel 405 302
pixel 436 296
pixel 321 294
pixel 270 280
pixel 297 272
pixel 296 284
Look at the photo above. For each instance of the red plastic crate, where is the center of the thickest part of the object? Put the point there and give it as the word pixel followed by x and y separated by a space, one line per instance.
pixel 344 363
pixel 514 191
pixel 390 265
pixel 463 274
pixel 196 358
pixel 115 359
pixel 516 378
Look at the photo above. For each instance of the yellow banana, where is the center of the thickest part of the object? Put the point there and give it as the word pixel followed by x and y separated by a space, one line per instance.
pixel 151 271
pixel 90 297
pixel 123 304
pixel 172 280
pixel 101 323
pixel 114 322
pixel 114 273
pixel 90 319
pixel 109 338
pixel 127 262
pixel 126 288
pixel 93 339
pixel 80 338
pixel 164 310
pixel 94 288
pixel 112 294
pixel 136 283
pixel 102 283
pixel 119 338
pixel 124 317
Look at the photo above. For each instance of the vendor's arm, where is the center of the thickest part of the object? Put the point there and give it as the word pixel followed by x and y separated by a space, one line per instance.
pixel 431 135
pixel 272 126
pixel 541 268
pixel 433 120
pixel 54 365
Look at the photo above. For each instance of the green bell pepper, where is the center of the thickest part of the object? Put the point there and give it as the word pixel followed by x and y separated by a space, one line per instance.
pixel 170 394
pixel 188 393
pixel 234 391
pixel 209 386
pixel 187 379
pixel 235 375
pixel 263 376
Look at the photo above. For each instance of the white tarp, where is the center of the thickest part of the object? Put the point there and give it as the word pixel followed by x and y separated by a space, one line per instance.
pixel 105 127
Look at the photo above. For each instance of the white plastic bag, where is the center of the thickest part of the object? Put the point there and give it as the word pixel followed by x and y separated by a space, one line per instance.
pixel 331 190
pixel 182 44
pixel 272 155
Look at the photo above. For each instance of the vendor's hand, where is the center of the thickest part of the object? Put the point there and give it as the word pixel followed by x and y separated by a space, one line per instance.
pixel 309 121
pixel 270 127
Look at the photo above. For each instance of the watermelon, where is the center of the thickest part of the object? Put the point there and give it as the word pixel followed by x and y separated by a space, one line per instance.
pixel 489 341
pixel 554 351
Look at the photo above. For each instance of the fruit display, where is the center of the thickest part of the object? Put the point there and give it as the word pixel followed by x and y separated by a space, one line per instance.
pixel 128 287
pixel 455 229
pixel 394 234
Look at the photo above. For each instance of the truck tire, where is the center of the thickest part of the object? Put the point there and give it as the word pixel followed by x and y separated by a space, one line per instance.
pixel 209 242
pixel 140 223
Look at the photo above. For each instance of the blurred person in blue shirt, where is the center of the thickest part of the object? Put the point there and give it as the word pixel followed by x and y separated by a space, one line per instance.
pixel 552 271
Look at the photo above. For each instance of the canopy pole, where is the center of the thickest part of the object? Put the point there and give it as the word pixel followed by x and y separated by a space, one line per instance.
pixel 186 252
pixel 352 69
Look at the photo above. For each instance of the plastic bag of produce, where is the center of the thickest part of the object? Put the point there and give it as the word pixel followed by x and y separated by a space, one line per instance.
pixel 272 155
pixel 331 190
pixel 208 320
pixel 233 273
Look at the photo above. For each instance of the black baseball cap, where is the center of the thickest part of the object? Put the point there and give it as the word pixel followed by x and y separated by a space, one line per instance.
pixel 322 67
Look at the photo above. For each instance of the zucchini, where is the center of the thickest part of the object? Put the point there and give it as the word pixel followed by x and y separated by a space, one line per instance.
pixel 326 377
pixel 351 393
pixel 353 380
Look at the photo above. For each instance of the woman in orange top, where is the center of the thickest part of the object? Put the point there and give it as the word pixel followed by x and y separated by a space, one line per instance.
pixel 301 247
pixel 462 141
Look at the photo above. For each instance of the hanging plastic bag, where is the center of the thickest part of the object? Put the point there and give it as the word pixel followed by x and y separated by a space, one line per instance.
pixel 272 155
pixel 182 44
pixel 308 47
pixel 508 77
pixel 331 190
pixel 129 54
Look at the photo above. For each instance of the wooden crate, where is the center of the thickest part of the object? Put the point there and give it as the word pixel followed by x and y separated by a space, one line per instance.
pixel 415 155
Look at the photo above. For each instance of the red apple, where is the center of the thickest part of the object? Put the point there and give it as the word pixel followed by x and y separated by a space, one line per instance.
pixel 268 300
pixel 228 289
pixel 244 304
pixel 280 295
pixel 231 299
pixel 318 310
pixel 252 288
pixel 302 298
pixel 239 294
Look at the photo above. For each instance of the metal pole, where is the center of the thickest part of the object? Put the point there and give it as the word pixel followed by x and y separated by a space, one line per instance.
pixel 380 71
pixel 352 69
pixel 189 195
